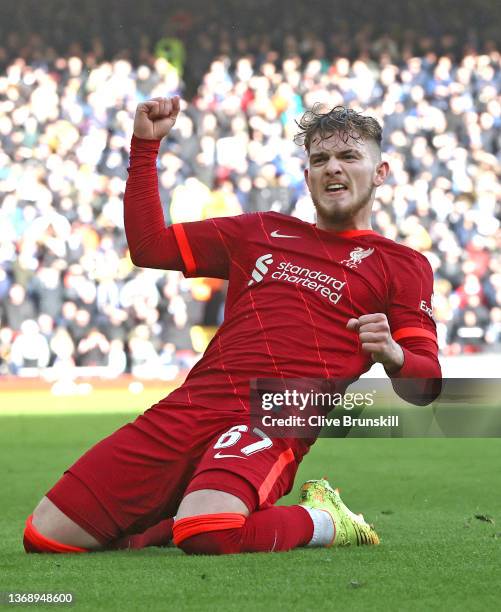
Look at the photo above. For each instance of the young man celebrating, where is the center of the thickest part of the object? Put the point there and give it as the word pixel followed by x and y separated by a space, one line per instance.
pixel 304 301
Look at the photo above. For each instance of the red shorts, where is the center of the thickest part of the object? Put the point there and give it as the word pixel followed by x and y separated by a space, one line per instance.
pixel 138 475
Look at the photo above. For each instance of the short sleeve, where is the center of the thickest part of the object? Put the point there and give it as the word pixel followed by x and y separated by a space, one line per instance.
pixel 207 247
pixel 410 309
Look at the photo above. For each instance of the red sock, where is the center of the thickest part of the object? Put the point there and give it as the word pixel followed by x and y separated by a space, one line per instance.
pixel 275 529
pixel 157 535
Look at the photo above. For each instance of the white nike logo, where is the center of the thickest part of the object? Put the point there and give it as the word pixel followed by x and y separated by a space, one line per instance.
pixel 219 456
pixel 275 234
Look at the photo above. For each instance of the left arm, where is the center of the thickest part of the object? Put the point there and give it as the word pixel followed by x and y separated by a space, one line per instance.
pixel 404 339
pixel 412 364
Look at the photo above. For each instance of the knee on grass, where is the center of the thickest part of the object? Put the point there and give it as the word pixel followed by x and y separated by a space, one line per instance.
pixel 48 530
pixel 36 542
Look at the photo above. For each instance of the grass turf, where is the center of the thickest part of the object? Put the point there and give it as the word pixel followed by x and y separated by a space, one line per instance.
pixel 422 496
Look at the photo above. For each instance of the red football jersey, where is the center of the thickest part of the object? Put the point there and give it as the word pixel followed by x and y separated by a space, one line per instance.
pixel 292 289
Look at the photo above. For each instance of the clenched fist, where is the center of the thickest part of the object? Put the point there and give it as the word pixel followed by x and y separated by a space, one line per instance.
pixel 155 118
pixel 375 337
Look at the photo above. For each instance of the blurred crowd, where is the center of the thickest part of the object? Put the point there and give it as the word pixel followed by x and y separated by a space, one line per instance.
pixel 69 294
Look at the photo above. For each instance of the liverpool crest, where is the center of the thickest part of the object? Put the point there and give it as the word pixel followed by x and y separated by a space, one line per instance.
pixel 357 256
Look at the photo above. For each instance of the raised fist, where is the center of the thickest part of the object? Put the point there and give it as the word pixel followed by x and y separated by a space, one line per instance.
pixel 155 118
pixel 375 338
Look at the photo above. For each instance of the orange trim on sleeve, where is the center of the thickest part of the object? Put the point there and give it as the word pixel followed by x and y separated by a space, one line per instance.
pixel 193 525
pixel 407 332
pixel 184 248
pixel 278 467
pixel 40 543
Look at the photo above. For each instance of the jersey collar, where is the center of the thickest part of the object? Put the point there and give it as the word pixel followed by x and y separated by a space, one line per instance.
pixel 355 233
pixel 349 233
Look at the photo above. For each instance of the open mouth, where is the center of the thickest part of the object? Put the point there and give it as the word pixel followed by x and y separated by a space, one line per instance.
pixel 335 188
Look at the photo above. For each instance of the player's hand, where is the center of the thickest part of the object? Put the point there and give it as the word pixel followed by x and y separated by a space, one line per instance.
pixel 375 337
pixel 155 118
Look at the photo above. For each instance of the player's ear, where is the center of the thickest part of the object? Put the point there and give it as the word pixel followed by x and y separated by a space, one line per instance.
pixel 307 176
pixel 382 172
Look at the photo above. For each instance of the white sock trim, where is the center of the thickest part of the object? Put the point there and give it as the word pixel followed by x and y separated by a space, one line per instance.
pixel 323 527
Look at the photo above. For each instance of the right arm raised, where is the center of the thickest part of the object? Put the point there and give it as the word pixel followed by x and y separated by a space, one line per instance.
pixel 197 248
pixel 151 244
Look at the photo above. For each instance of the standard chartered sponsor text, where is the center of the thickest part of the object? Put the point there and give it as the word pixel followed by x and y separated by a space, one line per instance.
pixel 328 286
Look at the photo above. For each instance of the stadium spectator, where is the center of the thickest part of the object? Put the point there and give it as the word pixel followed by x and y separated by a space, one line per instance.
pixel 47 291
pixel 145 359
pixel 63 349
pixel 46 326
pixel 30 348
pixel 18 307
pixel 117 358
pixel 93 349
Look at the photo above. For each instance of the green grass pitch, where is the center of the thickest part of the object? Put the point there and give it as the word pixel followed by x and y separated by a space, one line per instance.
pixel 422 496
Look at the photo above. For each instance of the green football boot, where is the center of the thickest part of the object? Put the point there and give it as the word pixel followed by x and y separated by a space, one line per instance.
pixel 349 529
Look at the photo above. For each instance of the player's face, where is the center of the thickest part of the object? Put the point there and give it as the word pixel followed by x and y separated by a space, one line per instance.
pixel 342 178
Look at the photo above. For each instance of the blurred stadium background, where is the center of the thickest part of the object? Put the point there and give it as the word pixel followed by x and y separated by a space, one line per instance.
pixel 73 306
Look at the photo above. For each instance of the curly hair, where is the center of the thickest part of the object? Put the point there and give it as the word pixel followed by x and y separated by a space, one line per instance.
pixel 341 120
